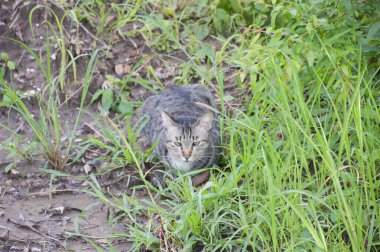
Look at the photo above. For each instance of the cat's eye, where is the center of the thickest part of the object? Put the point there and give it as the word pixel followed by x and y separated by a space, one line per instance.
pixel 196 143
pixel 177 144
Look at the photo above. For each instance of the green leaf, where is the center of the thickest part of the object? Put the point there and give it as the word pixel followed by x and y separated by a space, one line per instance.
pixel 112 79
pixel 201 31
pixel 97 94
pixel 107 100
pixel 310 56
pixel 126 107
pixel 9 167
pixel 372 32
pixel 235 5
pixel 220 20
pixel 4 56
pixel 206 50
pixel 228 98
pixel 261 7
pixel 73 15
pixel 11 65
pixel 6 98
pixel 55 172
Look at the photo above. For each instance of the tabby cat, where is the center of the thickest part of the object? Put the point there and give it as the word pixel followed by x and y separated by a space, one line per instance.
pixel 186 133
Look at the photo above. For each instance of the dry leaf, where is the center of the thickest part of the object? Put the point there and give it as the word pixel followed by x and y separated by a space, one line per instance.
pixel 88 155
pixel 121 69
pixel 101 241
pixel 109 19
pixel 59 209
pixel 87 168
pixel 85 183
pixel 127 69
pixel 201 178
pixel 14 172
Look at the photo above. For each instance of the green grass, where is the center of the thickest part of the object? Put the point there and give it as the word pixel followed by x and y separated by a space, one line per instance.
pixel 299 177
pixel 301 155
pixel 301 163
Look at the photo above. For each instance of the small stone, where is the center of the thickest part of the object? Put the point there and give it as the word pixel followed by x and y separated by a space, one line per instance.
pixel 119 69
pixel 133 53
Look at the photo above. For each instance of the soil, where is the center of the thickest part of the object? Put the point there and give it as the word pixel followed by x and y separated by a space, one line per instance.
pixel 37 215
pixel 40 211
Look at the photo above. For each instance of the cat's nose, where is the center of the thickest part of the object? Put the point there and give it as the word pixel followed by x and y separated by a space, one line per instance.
pixel 186 154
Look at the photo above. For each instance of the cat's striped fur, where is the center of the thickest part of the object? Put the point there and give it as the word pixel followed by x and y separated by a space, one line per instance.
pixel 187 134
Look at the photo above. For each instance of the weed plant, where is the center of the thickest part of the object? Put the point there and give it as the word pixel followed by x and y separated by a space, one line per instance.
pixel 47 126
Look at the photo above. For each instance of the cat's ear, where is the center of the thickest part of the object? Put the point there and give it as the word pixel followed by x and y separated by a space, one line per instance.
pixel 167 121
pixel 205 121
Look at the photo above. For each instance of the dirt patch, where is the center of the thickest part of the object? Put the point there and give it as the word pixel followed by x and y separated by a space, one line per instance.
pixel 46 213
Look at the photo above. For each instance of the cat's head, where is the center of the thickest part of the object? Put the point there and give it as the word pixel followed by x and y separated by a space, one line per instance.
pixel 187 144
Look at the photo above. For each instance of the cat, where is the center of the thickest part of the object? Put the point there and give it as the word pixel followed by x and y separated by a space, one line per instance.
pixel 186 135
